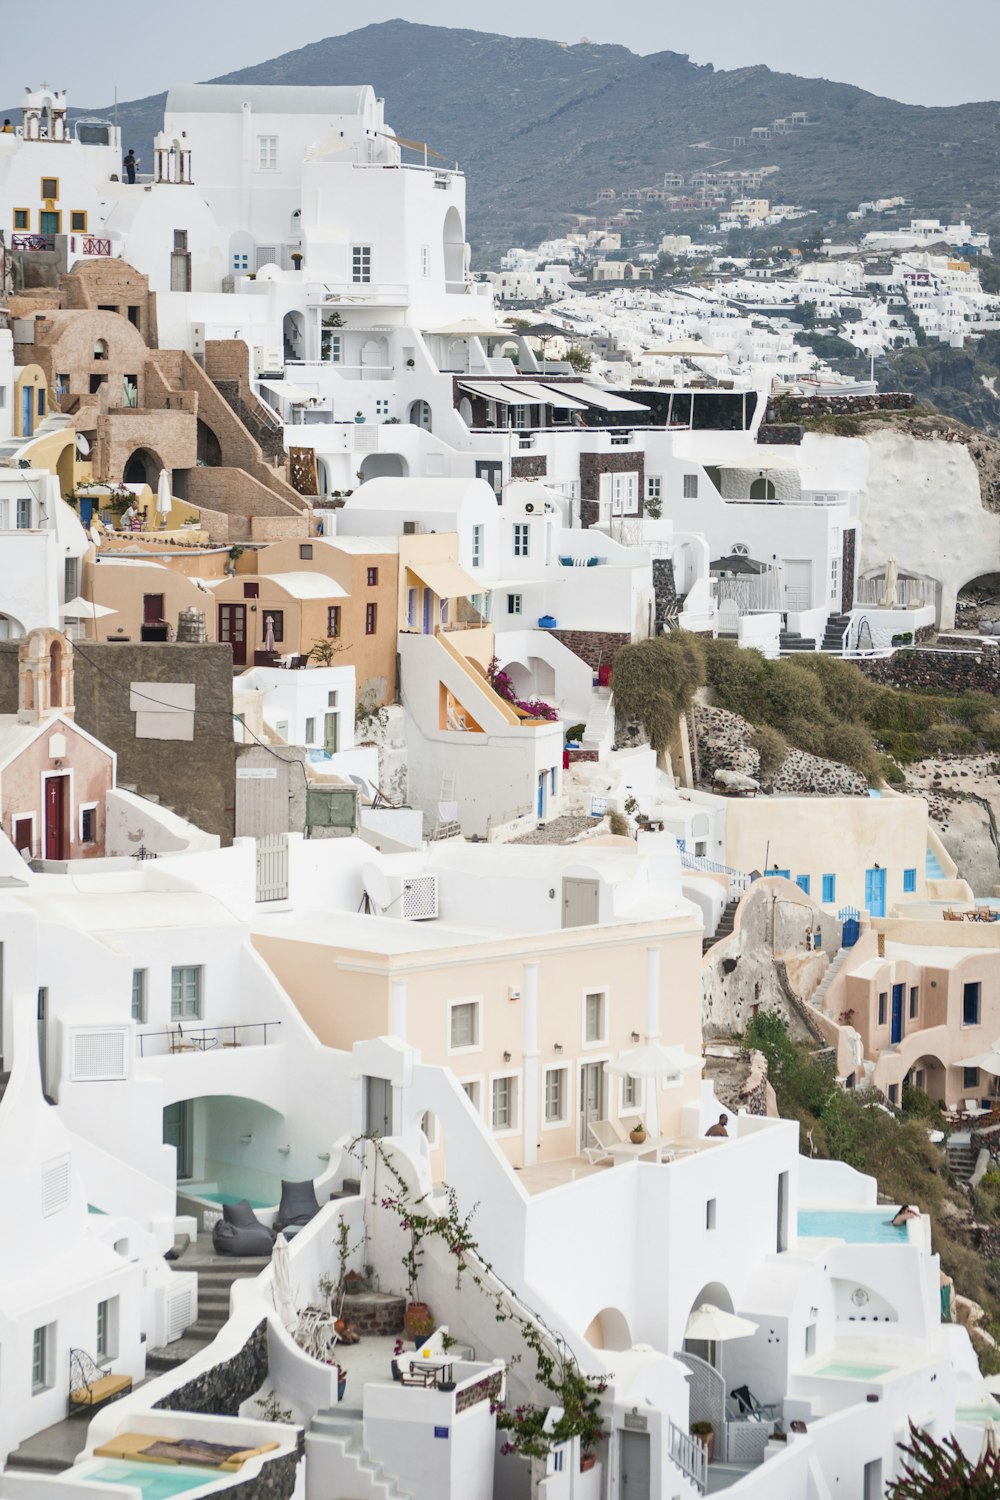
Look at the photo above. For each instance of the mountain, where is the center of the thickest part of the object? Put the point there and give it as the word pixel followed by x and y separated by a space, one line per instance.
pixel 540 127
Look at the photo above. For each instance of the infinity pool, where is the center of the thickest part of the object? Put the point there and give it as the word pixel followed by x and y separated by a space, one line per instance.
pixel 844 1369
pixel 858 1226
pixel 157 1481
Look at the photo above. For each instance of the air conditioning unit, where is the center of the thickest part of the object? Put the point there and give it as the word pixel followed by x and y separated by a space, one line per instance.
pixel 529 507
pixel 98 1053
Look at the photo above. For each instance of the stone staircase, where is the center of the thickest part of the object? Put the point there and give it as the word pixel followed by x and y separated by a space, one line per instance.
pixel 962 1158
pixel 216 1274
pixel 792 640
pixel 833 969
pixel 724 928
pixel 599 729
pixel 359 1474
pixel 833 636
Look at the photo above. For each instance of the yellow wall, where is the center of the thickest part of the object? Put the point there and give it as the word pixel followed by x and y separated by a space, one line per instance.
pixel 29 377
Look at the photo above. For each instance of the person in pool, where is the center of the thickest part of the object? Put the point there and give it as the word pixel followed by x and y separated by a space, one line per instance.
pixel 902 1214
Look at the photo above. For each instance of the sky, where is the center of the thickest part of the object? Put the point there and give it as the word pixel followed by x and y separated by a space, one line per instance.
pixel 906 49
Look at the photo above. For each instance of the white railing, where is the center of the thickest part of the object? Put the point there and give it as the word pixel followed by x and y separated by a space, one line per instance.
pixel 739 880
pixel 690 1455
pixel 272 867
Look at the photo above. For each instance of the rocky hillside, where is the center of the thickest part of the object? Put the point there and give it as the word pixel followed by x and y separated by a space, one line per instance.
pixel 540 127
pixel 726 743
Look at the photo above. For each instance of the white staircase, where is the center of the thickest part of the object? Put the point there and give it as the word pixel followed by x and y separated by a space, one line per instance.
pixel 599 729
pixel 333 1445
pixel 833 969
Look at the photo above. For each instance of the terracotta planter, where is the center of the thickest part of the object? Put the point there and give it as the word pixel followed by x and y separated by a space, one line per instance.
pixel 418 1320
pixel 637 1137
pixel 587 1461
pixel 708 1440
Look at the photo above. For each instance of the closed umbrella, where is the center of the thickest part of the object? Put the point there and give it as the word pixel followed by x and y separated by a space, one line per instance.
pixel 164 502
pixel 889 589
pixel 268 632
pixel 282 1289
pixel 654 1061
pixel 990 1448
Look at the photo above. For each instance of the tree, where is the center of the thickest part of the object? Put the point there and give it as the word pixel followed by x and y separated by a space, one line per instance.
pixel 941 1471
pixel 578 358
pixel 655 682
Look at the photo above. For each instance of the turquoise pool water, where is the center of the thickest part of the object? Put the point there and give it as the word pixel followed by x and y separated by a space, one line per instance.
pixel 157 1481
pixel 844 1369
pixel 858 1226
pixel 214 1197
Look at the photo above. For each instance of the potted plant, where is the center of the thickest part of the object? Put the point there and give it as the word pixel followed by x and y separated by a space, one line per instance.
pixel 587 1461
pixel 418 1320
pixel 705 1433
pixel 637 1134
pixel 397 1350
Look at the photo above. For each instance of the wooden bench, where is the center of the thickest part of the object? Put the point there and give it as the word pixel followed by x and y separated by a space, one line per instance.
pixel 90 1386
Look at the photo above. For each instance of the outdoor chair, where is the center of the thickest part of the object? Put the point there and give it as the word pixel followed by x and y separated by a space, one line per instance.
pixel 604 1137
pixel 747 1406
pixel 240 1232
pixel 298 1205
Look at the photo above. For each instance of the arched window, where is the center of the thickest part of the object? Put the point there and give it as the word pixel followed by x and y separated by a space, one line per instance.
pixel 100 348
pixel 55 675
pixel 420 415
pixel 762 489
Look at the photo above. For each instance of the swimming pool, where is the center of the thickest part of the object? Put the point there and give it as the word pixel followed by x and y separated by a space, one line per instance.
pixel 157 1481
pixel 220 1198
pixel 858 1226
pixel 844 1369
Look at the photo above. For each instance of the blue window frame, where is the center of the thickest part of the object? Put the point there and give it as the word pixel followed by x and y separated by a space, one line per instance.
pixel 909 881
pixel 829 888
pixel 802 881
pixel 970 1004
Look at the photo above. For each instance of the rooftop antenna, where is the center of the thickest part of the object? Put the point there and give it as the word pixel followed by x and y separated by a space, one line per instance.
pixel 116 106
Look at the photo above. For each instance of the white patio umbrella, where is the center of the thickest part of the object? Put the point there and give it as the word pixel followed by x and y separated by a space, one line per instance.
pixel 268 632
pixel 991 1447
pixel 658 1063
pixel 710 1325
pixel 84 609
pixel 164 502
pixel 282 1288
pixel 986 1062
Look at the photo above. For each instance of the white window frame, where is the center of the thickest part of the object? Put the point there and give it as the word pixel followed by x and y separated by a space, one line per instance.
pixel 267 153
pixel 562 1120
pixel 477 545
pixel 654 486
pixel 514 1103
pixel 139 992
pixel 520 539
pixel 336 346
pixel 309 736
pixel 637 1103
pixel 177 1006
pixel 476 1045
pixel 690 486
pixel 515 604
pixel 473 1088
pixel 361 265
pixel 42 1341
pixel 602 1040
pixel 82 808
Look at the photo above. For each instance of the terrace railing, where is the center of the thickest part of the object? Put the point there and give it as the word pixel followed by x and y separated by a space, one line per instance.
pixel 181 1038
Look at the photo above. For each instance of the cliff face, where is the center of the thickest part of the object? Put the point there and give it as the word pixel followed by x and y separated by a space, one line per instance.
pixel 932 500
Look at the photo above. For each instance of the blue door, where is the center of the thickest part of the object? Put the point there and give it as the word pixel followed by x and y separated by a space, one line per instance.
pixel 896 1030
pixel 26 395
pixel 875 892
pixel 541 795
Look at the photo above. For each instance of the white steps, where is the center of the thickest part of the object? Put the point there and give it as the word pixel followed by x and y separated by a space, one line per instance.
pixel 599 729
pixel 833 969
pixel 335 1453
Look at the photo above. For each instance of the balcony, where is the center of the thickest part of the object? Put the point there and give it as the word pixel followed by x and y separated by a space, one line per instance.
pixel 184 1038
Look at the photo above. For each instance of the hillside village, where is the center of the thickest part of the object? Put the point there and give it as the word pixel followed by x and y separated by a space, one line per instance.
pixel 498 864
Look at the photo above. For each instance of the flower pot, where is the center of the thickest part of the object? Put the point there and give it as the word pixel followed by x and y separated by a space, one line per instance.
pixel 587 1461
pixel 708 1440
pixel 637 1137
pixel 446 1385
pixel 418 1318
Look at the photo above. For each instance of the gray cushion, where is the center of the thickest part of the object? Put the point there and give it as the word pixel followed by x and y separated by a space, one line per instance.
pixel 298 1204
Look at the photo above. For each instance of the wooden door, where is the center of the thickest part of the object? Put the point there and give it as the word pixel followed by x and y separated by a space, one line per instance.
pixel 152 609
pixel 24 836
pixel 580 902
pixel 56 821
pixel 233 631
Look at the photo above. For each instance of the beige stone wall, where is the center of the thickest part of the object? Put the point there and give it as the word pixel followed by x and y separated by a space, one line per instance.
pixel 85 344
pixel 123 588
pixel 170 437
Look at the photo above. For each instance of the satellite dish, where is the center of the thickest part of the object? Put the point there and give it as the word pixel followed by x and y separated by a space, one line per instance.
pixel 82 446
pixel 377 887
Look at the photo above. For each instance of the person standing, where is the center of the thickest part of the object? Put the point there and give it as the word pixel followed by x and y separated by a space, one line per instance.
pixel 131 162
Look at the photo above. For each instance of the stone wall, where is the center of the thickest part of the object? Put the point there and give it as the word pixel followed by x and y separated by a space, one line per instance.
pixel 788 408
pixel 169 437
pixel 487 1389
pixel 222 1390
pixel 593 465
pixel 784 434
pixel 595 647
pixel 943 671
pixel 529 466
pixel 848 562
pixel 664 591
pixel 195 778
pixel 374 1313
pixel 276 1480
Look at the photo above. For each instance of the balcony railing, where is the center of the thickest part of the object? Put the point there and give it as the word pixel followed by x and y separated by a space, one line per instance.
pixel 181 1038
pixel 32 242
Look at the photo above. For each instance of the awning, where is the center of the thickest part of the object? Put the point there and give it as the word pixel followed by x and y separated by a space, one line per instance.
pixel 295 393
pixel 495 390
pixel 532 392
pixel 472 328
pixel 84 609
pixel 603 400
pixel 446 579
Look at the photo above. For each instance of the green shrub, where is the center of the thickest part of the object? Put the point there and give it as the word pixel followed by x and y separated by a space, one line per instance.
pixel 655 682
pixel 772 749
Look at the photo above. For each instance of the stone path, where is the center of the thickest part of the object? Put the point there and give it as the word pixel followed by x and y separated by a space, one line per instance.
pixel 559 830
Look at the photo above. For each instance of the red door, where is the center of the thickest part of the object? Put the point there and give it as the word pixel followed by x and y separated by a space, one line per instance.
pixel 233 631
pixel 24 829
pixel 56 830
pixel 152 609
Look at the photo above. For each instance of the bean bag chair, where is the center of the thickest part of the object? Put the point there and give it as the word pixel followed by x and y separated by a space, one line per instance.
pixel 240 1232
pixel 298 1205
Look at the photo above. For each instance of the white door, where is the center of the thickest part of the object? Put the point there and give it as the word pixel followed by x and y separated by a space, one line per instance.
pixel 797 577
pixel 580 903
pixel 592 1081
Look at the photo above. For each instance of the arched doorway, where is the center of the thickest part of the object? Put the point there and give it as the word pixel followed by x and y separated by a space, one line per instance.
pixel 374 356
pixel 454 250
pixel 383 466
pixel 929 1076
pixel 762 489
pixel 223 1140
pixel 419 415
pixel 209 447
pixel 609 1330
pixel 143 467
pixel 10 628
pixel 65 468
pixel 293 332
pixel 713 1294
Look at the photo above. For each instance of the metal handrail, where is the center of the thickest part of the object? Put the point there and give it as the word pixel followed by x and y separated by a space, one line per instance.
pixel 203 1038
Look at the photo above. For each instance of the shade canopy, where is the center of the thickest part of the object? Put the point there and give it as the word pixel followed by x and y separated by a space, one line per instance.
pixel 737 563
pixel 653 1060
pixel 684 349
pixel 986 1062
pixel 164 501
pixel 711 1325
pixel 82 609
pixel 446 579
pixel 472 328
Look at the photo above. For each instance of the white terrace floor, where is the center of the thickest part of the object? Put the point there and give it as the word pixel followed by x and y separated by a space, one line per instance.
pixel 552 1174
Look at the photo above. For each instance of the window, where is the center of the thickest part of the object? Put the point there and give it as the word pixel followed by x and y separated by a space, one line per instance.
pixel 654 487
pixel 88 825
pixel 22 218
pixel 690 486
pixel 555 1096
pixel 40 401
pixel 425 260
pixel 521 538
pixel 630 1093
pixel 267 153
pixel 381 406
pixel 411 607
pixel 371 618
pixel 834 577
pixel 333 347
pixel 477 546
pixel 180 241
pixel 802 881
pixel 970 1078
pixel 331 699
pixel 970 1004
pixel 24 513
pixel 50 187
pixel 185 991
pixel 78 220
pixel 50 221
pixel 42 1341
pixel 361 263
pixel 914 1001
pixel 139 995
pixel 829 888
pixel 277 619
pixel 305 552
pixel 372 577
pixel 251 591
pixel 107 1329
pixel 882 1000
pixel 474 1090
pixel 333 621
pixel 513 604
pixel 310 731
pixel 894 1093
pixel 463 1025
pixel 909 881
pixel 710 1213
pixel 504 1111
pixel 241 262
pixel 593 1018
